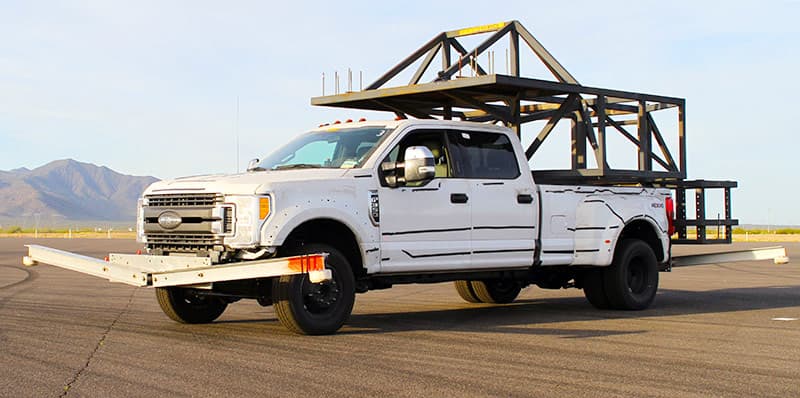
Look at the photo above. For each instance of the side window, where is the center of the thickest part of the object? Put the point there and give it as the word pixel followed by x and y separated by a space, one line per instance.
pixel 434 140
pixel 484 155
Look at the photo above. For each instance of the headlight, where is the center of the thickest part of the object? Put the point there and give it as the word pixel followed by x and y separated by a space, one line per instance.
pixel 250 213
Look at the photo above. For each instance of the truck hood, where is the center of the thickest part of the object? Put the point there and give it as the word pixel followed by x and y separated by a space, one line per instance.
pixel 242 183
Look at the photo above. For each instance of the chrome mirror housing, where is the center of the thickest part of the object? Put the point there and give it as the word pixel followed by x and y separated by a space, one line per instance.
pixel 253 165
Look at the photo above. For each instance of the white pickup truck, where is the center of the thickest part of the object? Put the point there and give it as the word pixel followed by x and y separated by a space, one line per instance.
pixel 384 203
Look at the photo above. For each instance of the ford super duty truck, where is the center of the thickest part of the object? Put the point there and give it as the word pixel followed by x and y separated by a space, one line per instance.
pixel 353 207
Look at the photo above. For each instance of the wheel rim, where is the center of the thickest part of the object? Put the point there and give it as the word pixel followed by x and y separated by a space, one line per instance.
pixel 504 287
pixel 321 298
pixel 637 276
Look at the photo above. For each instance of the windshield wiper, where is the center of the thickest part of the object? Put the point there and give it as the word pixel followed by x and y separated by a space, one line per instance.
pixel 297 166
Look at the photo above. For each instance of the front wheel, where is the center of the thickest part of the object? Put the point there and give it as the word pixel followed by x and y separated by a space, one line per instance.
pixel 185 306
pixel 315 308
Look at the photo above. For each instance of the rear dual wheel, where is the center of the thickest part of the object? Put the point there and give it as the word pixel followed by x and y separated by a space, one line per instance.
pixel 494 291
pixel 464 289
pixel 630 283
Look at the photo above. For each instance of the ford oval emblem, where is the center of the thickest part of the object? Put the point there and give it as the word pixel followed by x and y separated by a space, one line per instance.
pixel 169 220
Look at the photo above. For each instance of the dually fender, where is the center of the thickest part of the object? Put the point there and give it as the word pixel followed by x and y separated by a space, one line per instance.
pixel 601 219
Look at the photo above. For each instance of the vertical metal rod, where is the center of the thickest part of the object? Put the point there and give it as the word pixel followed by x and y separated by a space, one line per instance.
pixel 507 67
pixel 514 52
pixel 682 139
pixel 323 84
pixel 446 55
pixel 475 63
pixel 361 80
pixel 645 149
pixel 700 211
pixel 236 129
pixel 578 142
pixel 516 115
pixel 680 194
pixel 728 226
pixel 601 134
pixel 349 80
pixel 336 86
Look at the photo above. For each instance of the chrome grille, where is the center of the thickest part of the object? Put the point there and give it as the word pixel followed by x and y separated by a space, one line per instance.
pixel 184 199
pixel 198 216
pixel 182 242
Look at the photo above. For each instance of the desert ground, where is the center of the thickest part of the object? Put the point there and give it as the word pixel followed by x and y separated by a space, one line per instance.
pixel 714 330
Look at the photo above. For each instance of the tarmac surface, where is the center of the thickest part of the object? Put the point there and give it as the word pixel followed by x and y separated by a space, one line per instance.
pixel 714 330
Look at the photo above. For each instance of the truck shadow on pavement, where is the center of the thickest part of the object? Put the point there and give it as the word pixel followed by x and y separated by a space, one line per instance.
pixel 537 316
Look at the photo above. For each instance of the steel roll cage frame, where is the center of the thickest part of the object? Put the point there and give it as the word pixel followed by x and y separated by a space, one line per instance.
pixel 513 100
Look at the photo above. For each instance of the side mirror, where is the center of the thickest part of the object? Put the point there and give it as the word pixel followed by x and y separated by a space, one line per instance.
pixel 417 166
pixel 253 164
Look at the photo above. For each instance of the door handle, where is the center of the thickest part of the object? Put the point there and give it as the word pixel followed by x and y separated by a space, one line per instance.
pixel 458 198
pixel 524 199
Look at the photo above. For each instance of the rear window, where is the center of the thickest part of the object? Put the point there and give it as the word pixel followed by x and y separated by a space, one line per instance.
pixel 483 155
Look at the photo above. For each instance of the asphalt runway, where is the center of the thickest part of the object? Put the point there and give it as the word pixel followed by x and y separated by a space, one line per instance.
pixel 714 330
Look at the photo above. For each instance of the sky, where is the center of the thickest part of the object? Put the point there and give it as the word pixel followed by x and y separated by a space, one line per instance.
pixel 151 87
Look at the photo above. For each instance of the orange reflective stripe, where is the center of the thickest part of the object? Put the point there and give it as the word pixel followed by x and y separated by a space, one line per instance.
pixel 304 264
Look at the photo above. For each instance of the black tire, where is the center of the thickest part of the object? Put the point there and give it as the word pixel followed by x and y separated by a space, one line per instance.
pixel 594 288
pixel 184 306
pixel 464 289
pixel 631 281
pixel 315 308
pixel 496 291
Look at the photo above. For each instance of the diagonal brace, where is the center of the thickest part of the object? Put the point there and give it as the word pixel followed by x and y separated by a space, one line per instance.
pixel 567 106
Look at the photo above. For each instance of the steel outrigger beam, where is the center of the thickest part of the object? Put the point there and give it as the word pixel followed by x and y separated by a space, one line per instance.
pixel 163 271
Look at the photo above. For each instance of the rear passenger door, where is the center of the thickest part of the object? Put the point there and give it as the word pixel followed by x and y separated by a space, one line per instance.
pixel 503 204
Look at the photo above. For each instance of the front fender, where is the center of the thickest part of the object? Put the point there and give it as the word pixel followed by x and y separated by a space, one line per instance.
pixel 275 232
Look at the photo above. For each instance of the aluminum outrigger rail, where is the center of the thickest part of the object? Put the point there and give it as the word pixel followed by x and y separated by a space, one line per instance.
pixel 163 271
pixel 777 254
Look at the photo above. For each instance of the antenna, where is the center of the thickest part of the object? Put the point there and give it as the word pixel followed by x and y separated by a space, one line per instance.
pixel 236 131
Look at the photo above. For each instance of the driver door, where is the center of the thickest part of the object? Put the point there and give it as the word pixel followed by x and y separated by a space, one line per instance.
pixel 425 227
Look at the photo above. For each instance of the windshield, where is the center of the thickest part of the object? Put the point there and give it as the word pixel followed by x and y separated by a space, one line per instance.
pixel 345 148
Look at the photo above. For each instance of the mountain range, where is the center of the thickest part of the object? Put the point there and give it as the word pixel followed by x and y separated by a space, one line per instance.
pixel 70 190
